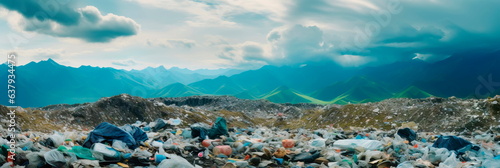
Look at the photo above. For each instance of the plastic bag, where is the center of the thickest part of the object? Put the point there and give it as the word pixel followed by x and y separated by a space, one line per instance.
pixel 55 158
pixel 160 124
pixel 307 157
pixel 120 145
pixel 82 152
pixel 407 134
pixel 86 163
pixel 373 155
pixel 186 134
pixel 219 128
pixel 450 162
pixel 453 143
pixel 175 161
pixel 142 153
pixel 106 150
pixel 352 143
pixel 136 132
pixel 176 121
pixel 406 164
pixel 491 163
pixel 35 160
pixel 57 138
pixel 319 143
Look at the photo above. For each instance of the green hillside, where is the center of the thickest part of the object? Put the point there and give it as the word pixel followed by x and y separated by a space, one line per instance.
pixel 177 90
pixel 412 92
pixel 284 94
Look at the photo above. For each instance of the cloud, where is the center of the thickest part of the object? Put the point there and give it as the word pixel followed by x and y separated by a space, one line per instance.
pixel 247 55
pixel 61 19
pixel 285 46
pixel 172 43
pixel 209 33
pixel 430 57
pixel 201 13
pixel 297 44
pixel 221 13
pixel 125 63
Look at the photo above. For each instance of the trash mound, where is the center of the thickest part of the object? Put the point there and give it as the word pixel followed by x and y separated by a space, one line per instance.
pixel 429 114
pixel 169 144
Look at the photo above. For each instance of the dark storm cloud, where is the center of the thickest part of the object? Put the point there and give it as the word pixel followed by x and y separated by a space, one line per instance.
pixel 62 19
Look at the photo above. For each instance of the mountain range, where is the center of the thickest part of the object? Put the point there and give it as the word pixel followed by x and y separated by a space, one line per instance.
pixel 465 75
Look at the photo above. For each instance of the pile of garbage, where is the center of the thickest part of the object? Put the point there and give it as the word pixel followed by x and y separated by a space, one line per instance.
pixel 164 144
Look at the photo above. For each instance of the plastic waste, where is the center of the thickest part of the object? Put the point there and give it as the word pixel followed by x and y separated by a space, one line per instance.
pixel 454 143
pixel 174 161
pixel 186 134
pixel 176 121
pixel 219 128
pixel 490 163
pixel 109 132
pixel 141 153
pixel 55 158
pixel 307 157
pixel 406 164
pixel 160 124
pixel 119 145
pixel 159 157
pixel 407 134
pixel 106 151
pixel 319 143
pixel 85 163
pixel 450 162
pixel 353 143
pixel 223 149
pixel 136 132
pixel 198 131
pixel 83 153
pixel 35 160
pixel 57 138
pixel 157 144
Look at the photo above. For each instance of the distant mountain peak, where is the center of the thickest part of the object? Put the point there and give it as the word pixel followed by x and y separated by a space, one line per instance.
pixel 49 61
pixel 160 68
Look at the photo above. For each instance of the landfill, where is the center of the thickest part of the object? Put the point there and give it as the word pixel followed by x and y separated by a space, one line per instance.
pixel 165 144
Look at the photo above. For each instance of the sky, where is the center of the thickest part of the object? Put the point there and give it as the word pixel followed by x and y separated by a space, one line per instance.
pixel 242 34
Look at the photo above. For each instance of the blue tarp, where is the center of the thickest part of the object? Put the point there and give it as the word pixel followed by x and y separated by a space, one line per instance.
pixel 219 128
pixel 106 132
pixel 199 132
pixel 136 132
pixel 407 134
pixel 160 123
pixel 453 143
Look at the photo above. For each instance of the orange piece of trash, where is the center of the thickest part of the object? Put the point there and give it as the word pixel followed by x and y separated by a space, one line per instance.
pixel 122 165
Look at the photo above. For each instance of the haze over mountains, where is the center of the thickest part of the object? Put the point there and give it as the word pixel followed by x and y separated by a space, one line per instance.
pixel 467 75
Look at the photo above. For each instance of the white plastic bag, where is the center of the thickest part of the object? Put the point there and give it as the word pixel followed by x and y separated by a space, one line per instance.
pixel 450 162
pixel 318 143
pixel 55 158
pixel 352 143
pixel 105 150
pixel 406 164
pixel 175 161
pixel 57 138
